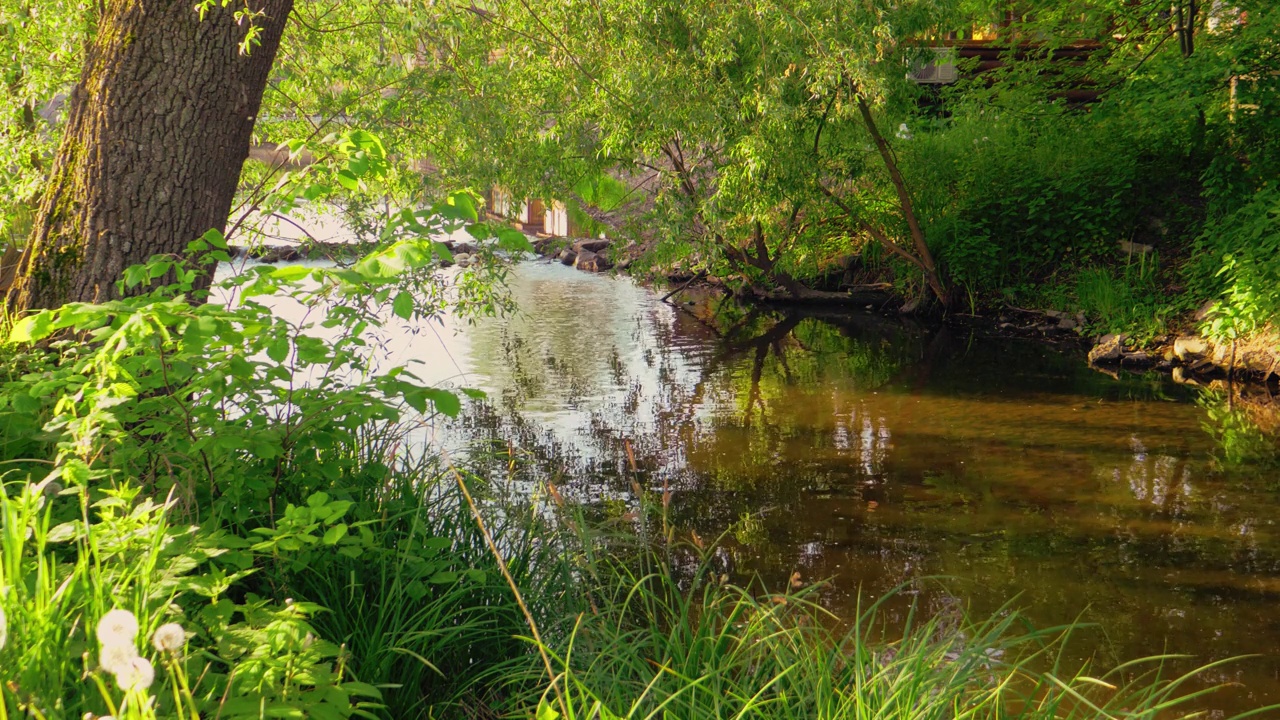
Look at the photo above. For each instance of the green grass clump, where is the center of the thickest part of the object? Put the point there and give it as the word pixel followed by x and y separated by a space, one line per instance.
pixel 672 644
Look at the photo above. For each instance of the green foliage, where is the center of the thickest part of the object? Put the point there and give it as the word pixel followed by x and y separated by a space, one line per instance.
pixel 425 613
pixel 70 555
pixel 1239 441
pixel 1238 261
pixel 1127 299
pixel 1010 197
pixel 254 435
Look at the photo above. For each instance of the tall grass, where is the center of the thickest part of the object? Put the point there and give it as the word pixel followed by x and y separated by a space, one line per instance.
pixel 59 578
pixel 665 635
pixel 1125 299
pixel 425 613
pixel 699 647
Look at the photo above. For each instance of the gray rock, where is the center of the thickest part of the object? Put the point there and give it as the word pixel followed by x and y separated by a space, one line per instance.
pixel 1107 351
pixel 591 262
pixel 1136 359
pixel 1190 347
pixel 1067 323
pixel 461 257
pixel 1133 248
pixel 594 246
pixel 568 256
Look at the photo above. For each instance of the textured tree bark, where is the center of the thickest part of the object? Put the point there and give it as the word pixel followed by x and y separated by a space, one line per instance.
pixel 158 129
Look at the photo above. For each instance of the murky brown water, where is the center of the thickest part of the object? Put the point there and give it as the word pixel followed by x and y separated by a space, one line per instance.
pixel 873 451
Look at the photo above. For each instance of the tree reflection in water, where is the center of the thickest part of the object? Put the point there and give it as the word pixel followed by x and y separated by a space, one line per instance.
pixel 873 451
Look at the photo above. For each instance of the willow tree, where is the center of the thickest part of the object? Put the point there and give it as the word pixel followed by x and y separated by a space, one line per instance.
pixel 157 129
pixel 755 126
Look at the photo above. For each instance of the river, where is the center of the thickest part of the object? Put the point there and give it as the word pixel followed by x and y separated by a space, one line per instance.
pixel 870 452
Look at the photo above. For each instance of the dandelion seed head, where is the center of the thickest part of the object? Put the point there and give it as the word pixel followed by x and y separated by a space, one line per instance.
pixel 117 627
pixel 137 675
pixel 116 656
pixel 169 637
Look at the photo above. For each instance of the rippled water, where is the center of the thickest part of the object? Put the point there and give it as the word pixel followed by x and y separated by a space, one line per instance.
pixel 873 451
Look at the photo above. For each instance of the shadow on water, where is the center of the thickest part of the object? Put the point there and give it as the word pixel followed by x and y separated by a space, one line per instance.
pixel 871 451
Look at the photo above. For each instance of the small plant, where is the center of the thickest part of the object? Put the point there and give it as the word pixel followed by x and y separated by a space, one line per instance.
pixel 1241 262
pixel 1127 299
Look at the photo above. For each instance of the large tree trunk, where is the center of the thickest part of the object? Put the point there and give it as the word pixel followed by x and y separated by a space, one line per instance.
pixel 157 131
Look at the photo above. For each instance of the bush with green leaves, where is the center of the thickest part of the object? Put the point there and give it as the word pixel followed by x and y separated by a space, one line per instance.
pixel 1238 264
pixel 189 462
pixel 1010 196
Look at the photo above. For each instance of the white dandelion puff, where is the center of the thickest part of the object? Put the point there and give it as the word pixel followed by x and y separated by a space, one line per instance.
pixel 116 656
pixel 117 627
pixel 137 675
pixel 169 637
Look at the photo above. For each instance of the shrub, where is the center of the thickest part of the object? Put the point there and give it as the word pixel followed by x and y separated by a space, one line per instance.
pixel 1238 262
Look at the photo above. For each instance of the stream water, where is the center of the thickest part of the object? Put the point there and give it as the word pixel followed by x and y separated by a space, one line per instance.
pixel 872 451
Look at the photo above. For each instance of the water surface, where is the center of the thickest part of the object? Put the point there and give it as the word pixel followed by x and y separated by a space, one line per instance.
pixel 871 451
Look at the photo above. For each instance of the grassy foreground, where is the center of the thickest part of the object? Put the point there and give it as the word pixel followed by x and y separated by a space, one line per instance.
pixel 650 632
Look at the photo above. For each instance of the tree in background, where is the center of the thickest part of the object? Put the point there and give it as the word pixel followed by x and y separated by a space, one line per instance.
pixel 753 128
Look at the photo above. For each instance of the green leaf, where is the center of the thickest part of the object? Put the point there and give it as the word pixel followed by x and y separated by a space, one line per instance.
pixel 367 142
pixel 459 206
pixel 513 240
pixel 446 402
pixel 290 273
pixel 315 191
pixel 278 350
pixel 32 327
pixel 546 712
pixel 403 305
pixel 347 180
pixel 359 688
pixel 444 577
pixel 215 238
pixel 158 269
pixel 335 533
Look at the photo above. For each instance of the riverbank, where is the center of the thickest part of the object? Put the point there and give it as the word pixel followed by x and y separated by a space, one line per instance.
pixel 1189 357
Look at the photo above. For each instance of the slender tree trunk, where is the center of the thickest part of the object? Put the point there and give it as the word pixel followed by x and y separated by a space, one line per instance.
pixel 926 263
pixel 158 128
